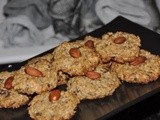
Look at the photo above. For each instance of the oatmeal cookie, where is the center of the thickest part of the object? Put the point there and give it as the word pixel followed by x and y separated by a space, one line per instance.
pixel 95 84
pixel 119 46
pixel 61 108
pixel 142 69
pixel 75 59
pixel 9 98
pixel 35 77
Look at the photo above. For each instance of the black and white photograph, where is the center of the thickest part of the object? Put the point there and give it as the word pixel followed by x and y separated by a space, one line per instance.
pixel 31 27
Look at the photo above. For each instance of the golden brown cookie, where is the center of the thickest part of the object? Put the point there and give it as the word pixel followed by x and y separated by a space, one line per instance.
pixel 119 46
pixel 53 105
pixel 9 98
pixel 75 59
pixel 142 69
pixel 36 76
pixel 95 84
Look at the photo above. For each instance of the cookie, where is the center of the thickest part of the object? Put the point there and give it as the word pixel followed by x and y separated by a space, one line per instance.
pixel 95 84
pixel 142 69
pixel 75 59
pixel 53 105
pixel 9 98
pixel 119 46
pixel 36 76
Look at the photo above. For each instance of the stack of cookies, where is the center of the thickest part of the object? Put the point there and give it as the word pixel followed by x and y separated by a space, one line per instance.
pixel 91 68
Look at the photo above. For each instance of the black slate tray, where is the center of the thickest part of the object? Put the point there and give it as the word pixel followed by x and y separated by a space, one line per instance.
pixel 125 96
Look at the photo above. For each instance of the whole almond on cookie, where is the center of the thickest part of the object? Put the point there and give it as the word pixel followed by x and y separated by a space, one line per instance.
pixel 33 72
pixel 75 52
pixel 8 83
pixel 89 44
pixel 54 95
pixel 119 40
pixel 138 60
pixel 93 75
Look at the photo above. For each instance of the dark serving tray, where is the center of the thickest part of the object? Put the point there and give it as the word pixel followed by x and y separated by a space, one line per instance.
pixel 125 96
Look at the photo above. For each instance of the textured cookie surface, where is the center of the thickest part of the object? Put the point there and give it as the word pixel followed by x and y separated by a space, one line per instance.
pixel 62 109
pixel 119 46
pixel 62 50
pixel 64 58
pixel 9 98
pixel 143 72
pixel 87 88
pixel 35 77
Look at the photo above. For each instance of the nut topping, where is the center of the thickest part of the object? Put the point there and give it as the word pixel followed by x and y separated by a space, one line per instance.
pixel 33 72
pixel 89 44
pixel 8 83
pixel 75 52
pixel 138 60
pixel 54 95
pixel 93 75
pixel 119 40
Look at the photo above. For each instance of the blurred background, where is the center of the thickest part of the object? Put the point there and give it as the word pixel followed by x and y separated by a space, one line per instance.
pixel 30 27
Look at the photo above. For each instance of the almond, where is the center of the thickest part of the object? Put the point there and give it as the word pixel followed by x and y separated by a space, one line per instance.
pixel 54 95
pixel 33 72
pixel 119 40
pixel 75 52
pixel 8 82
pixel 93 75
pixel 138 60
pixel 89 44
